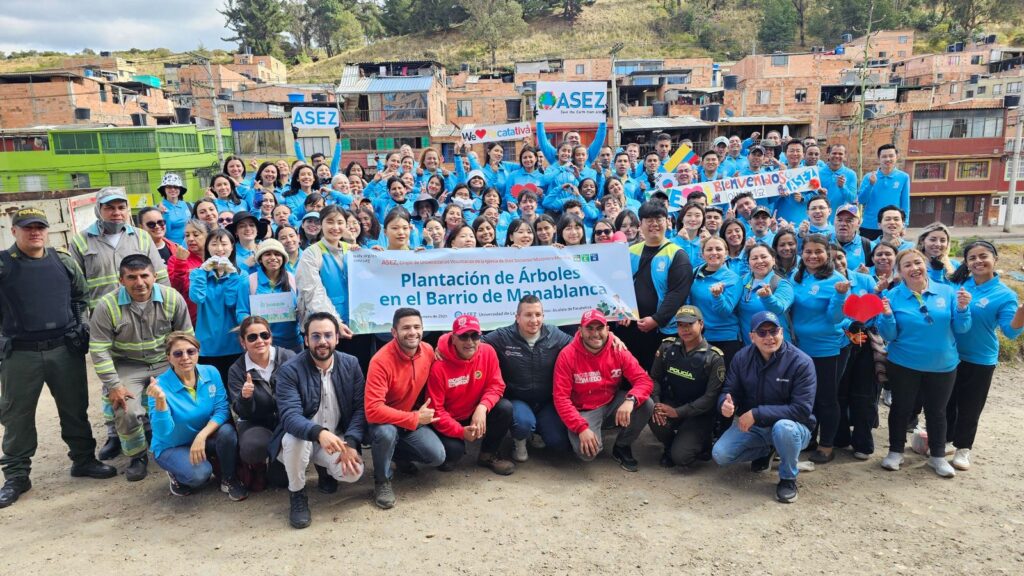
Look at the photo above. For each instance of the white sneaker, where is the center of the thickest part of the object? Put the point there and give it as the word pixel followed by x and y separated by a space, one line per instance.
pixel 536 441
pixel 887 397
pixel 892 461
pixel 950 448
pixel 962 459
pixel 941 467
pixel 519 453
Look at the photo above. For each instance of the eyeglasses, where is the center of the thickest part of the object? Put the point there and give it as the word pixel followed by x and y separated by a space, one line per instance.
pixel 317 337
pixel 603 232
pixel 225 220
pixel 156 224
pixel 474 336
pixel 250 338
pixel 927 317
pixel 766 332
pixel 191 352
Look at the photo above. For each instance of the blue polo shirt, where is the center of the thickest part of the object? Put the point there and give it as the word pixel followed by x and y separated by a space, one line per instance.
pixel 915 342
pixel 891 189
pixel 186 416
pixel 993 306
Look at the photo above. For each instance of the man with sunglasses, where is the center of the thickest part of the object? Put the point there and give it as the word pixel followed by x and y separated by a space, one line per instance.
pixel 589 396
pixel 127 332
pixel 770 389
pixel 42 339
pixel 465 389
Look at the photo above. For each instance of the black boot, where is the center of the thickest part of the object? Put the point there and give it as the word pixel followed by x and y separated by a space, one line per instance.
pixel 299 516
pixel 325 483
pixel 112 449
pixel 13 488
pixel 137 470
pixel 93 469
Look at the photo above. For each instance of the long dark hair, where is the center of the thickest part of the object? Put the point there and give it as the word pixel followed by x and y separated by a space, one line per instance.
pixel 536 154
pixel 294 187
pixel 233 195
pixel 962 272
pixel 690 206
pixel 514 227
pixel 217 233
pixel 564 223
pixel 463 226
pixel 826 269
pixel 784 268
pixel 240 161
pixel 743 241
pixel 374 232
pixel 279 182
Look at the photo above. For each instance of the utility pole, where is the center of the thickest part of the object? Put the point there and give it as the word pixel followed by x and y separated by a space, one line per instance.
pixel 1014 170
pixel 616 134
pixel 213 101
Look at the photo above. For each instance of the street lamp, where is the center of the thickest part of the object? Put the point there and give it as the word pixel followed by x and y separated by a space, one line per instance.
pixel 616 140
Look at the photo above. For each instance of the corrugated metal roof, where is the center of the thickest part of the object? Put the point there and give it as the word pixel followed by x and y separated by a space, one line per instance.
pixel 660 122
pixel 763 120
pixel 384 85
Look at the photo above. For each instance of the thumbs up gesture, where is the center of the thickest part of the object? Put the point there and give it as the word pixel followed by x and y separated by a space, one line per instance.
pixel 248 387
pixel 426 414
pixel 728 408
pixel 963 299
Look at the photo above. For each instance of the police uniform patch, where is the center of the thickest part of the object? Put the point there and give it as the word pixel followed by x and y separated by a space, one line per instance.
pixel 721 373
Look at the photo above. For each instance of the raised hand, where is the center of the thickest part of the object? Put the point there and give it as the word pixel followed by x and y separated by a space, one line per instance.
pixel 728 408
pixel 426 414
pixel 248 388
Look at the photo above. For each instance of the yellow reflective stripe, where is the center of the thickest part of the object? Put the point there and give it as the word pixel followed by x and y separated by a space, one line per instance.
pixel 80 243
pixel 145 345
pixel 99 346
pixel 101 280
pixel 112 308
pixel 106 367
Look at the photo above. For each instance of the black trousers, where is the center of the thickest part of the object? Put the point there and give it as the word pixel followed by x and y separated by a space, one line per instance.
pixel 963 411
pixel 858 401
pixel 642 345
pixel 685 438
pixel 828 370
pixel 934 389
pixel 499 420
pixel 221 363
pixel 729 349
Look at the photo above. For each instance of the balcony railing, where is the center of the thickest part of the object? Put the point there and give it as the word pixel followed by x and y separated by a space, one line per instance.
pixel 384 116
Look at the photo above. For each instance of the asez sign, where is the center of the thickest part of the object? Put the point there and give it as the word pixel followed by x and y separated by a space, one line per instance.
pixel 571 101
pixel 314 117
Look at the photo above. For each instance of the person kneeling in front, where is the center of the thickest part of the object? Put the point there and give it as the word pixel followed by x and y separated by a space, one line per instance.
pixel 466 388
pixel 188 409
pixel 320 405
pixel 588 397
pixel 770 386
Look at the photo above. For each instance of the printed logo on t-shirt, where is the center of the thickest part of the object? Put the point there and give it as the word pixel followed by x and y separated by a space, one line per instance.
pixel 616 373
pixel 940 303
pixel 458 381
pixel 212 389
pixel 478 375
pixel 983 302
pixel 586 377
pixel 813 290
pixel 661 266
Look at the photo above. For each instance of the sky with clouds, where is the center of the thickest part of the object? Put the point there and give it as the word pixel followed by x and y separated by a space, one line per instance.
pixel 71 25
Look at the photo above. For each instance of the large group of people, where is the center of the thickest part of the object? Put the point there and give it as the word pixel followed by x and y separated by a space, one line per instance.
pixel 741 350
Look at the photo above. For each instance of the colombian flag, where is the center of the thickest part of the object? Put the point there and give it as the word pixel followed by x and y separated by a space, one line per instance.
pixel 683 154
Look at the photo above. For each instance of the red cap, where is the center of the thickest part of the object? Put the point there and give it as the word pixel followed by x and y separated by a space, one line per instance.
pixel 591 316
pixel 464 324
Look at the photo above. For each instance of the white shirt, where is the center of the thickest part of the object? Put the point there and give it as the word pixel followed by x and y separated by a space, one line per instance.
pixel 328 414
pixel 263 372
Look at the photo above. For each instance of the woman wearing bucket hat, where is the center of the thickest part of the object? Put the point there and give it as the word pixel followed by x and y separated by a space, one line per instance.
pixel 176 210
pixel 271 277
pixel 247 230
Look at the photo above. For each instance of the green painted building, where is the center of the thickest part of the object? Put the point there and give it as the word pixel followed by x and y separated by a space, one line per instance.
pixel 78 157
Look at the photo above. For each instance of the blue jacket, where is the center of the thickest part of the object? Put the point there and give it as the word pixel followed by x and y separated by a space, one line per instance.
pixel 794 212
pixel 778 302
pixel 185 417
pixel 838 196
pixel 720 323
pixel 176 216
pixel 781 388
pixel 916 343
pixel 692 249
pixel 551 153
pixel 817 313
pixel 892 189
pixel 523 178
pixel 216 301
pixel 993 306
pixel 286 334
pixel 297 386
pixel 855 254
pixel 659 271
pixel 229 206
pixel 730 166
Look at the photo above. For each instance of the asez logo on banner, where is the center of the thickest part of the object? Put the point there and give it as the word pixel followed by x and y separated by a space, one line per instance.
pixel 585 258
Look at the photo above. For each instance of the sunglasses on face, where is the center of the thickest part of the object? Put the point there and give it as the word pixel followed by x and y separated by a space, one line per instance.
pixel 156 224
pixel 766 332
pixel 250 338
pixel 603 232
pixel 225 220
pixel 190 352
pixel 474 336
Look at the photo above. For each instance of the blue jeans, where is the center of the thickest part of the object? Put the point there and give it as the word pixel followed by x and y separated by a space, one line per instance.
pixel 389 441
pixel 223 442
pixel 544 421
pixel 788 438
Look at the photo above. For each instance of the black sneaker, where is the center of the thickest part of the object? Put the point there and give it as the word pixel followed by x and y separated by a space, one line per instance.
pixel 447 467
pixel 383 495
pixel 298 515
pixel 137 470
pixel 112 448
pixel 177 488
pixel 763 463
pixel 235 490
pixel 666 460
pixel 624 456
pixel 13 488
pixel 325 483
pixel 93 469
pixel 785 492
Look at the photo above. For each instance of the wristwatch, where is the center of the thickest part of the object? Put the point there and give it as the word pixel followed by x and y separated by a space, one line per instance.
pixel 633 398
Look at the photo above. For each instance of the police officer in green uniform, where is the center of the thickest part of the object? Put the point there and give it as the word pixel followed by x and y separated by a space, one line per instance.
pixel 688 374
pixel 42 339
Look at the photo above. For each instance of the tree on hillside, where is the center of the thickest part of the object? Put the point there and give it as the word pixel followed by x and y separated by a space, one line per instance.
pixel 300 18
pixel 533 9
pixel 333 26
pixel 800 7
pixel 494 21
pixel 571 9
pixel 840 17
pixel 968 16
pixel 777 27
pixel 412 16
pixel 257 24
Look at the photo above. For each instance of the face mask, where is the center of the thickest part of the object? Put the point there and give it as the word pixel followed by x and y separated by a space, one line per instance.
pixel 464 203
pixel 111 227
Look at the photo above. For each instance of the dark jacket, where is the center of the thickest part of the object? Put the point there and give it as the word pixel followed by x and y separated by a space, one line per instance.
pixel 781 388
pixel 297 385
pixel 688 381
pixel 261 408
pixel 528 372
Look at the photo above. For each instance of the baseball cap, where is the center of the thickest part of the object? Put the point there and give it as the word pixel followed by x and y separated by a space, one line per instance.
pixel 314 215
pixel 594 315
pixel 111 193
pixel 758 210
pixel 28 216
pixel 764 317
pixel 720 140
pixel 689 314
pixel 465 324
pixel 853 209
pixel 758 148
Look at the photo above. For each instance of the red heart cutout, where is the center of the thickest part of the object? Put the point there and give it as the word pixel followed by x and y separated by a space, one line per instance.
pixel 686 191
pixel 862 308
pixel 814 184
pixel 518 189
pixel 481 133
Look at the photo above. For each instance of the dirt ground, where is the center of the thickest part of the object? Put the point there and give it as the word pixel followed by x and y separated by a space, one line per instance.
pixel 553 516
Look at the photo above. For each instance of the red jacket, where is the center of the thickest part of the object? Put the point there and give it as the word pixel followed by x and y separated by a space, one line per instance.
pixel 585 381
pixel 394 384
pixel 178 271
pixel 457 386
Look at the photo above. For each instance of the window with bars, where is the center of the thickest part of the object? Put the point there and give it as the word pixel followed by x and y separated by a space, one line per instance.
pixel 76 143
pixel 127 142
pixel 930 170
pixel 972 170
pixel 945 124
pixel 133 182
pixel 260 142
pixel 172 142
